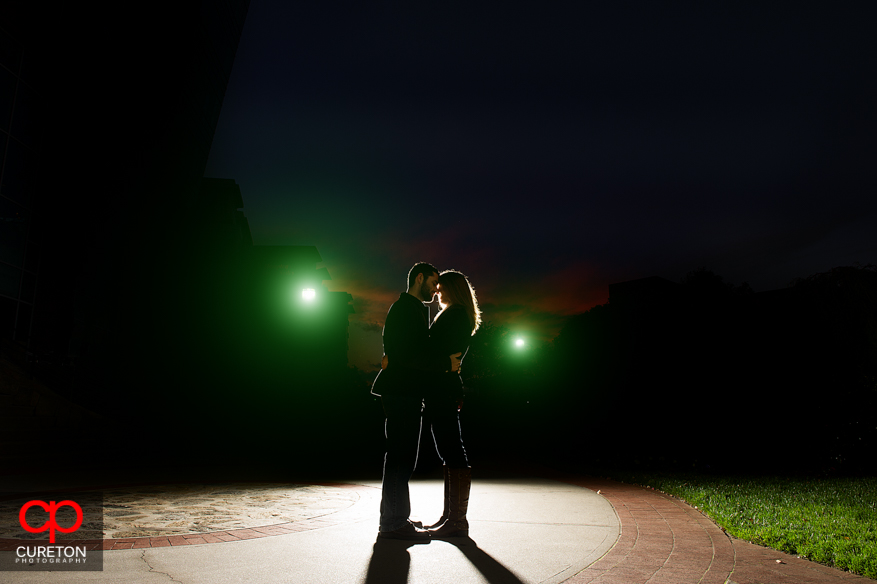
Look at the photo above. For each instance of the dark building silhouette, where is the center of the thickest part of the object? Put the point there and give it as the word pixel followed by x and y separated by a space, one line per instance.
pixel 318 318
pixel 129 283
pixel 222 227
pixel 107 129
pixel 20 111
pixel 107 115
pixel 264 286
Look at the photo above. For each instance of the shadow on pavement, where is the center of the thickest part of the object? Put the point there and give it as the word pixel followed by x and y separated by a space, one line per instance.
pixel 493 571
pixel 390 562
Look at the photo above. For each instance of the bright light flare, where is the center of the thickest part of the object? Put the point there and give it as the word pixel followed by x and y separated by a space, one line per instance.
pixel 519 343
pixel 308 294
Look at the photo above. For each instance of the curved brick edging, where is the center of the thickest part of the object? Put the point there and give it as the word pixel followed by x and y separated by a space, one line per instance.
pixel 663 540
pixel 210 537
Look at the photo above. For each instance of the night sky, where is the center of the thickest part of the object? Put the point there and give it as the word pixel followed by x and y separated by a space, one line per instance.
pixel 549 150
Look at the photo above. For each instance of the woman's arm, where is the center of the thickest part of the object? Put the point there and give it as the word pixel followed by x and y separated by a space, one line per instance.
pixel 450 332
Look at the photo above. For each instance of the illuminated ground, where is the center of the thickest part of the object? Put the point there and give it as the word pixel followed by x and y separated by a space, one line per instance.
pixel 168 510
pixel 523 530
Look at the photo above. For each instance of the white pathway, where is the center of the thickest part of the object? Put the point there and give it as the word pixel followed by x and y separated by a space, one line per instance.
pixel 529 531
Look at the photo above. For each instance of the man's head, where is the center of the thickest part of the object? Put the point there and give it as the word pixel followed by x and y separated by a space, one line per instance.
pixel 422 281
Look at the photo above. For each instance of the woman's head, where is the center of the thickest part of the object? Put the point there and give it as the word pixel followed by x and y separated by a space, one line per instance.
pixel 454 288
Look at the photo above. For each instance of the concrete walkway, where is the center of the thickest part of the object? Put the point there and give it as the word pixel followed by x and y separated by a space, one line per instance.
pixel 563 529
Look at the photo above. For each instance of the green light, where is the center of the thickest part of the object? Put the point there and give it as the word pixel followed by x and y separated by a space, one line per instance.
pixel 519 343
pixel 308 294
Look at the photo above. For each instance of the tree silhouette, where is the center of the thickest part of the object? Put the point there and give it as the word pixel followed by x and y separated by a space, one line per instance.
pixel 487 356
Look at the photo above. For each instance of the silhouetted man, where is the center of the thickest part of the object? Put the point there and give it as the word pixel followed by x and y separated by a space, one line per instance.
pixel 401 388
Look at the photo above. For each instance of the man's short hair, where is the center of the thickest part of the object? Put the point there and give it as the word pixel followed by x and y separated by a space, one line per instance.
pixel 422 268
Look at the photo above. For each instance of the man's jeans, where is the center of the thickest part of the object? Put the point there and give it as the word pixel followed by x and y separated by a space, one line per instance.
pixel 402 430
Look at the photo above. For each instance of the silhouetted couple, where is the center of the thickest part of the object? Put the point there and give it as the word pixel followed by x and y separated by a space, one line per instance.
pixel 420 369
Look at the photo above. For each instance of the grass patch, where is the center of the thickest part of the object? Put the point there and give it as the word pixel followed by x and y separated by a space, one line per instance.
pixel 832 521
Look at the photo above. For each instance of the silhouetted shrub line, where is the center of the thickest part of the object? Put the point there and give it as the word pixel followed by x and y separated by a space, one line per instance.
pixel 660 359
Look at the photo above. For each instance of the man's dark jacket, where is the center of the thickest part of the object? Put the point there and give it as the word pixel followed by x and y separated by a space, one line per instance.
pixel 406 345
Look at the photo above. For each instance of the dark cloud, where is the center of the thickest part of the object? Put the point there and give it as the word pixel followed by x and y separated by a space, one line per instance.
pixel 371 327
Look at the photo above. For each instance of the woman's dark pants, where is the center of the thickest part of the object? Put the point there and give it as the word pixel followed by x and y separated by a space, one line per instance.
pixel 443 414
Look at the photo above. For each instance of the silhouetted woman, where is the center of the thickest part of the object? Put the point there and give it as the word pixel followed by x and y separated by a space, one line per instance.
pixel 451 332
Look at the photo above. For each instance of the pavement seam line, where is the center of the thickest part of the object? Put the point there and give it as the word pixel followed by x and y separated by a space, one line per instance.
pixel 154 571
pixel 713 544
pixel 672 548
pixel 614 544
pixel 539 523
pixel 712 547
pixel 713 559
pixel 669 528
pixel 734 548
pixel 620 533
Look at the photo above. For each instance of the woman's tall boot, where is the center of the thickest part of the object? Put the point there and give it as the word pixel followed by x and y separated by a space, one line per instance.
pixel 459 483
pixel 444 516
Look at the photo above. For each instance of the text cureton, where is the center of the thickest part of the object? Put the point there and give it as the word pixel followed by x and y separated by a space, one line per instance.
pixel 50 554
pixel 50 551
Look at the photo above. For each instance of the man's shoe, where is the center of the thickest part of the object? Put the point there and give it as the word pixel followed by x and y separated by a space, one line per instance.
pixel 408 532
